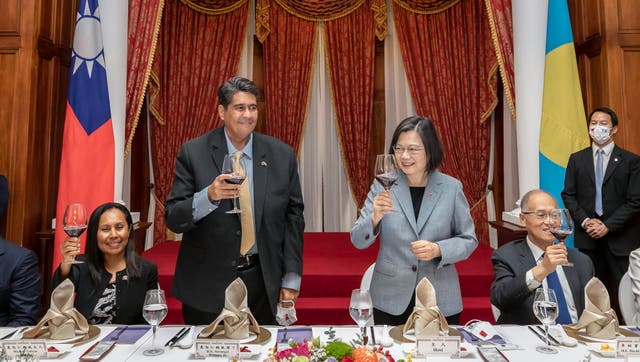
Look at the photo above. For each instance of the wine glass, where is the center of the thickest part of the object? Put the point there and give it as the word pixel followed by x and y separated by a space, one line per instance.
pixel 74 223
pixel 361 310
pixel 545 308
pixel 154 310
pixel 386 171
pixel 238 174
pixel 561 226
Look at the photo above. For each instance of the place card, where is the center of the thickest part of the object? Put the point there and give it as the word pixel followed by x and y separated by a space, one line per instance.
pixel 217 348
pixel 445 345
pixel 33 347
pixel 628 346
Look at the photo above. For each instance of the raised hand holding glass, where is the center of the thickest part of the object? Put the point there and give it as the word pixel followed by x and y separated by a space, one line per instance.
pixel 74 223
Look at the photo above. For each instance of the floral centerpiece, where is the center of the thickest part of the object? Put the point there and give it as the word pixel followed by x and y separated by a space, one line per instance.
pixel 335 350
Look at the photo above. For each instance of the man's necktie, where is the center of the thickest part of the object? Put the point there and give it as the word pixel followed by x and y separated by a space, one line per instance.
pixel 553 282
pixel 599 176
pixel 246 216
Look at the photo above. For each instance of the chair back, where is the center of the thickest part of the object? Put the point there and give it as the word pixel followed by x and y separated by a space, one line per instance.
pixel 626 299
pixel 365 282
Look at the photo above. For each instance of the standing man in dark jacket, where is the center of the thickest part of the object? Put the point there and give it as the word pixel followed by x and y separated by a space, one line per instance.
pixel 263 244
pixel 602 192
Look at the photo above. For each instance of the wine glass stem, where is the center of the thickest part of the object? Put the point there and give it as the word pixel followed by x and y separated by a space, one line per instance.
pixel 546 333
pixel 235 202
pixel 363 330
pixel 153 341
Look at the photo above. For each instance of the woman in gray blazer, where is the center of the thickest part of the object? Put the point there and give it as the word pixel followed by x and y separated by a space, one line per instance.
pixel 429 229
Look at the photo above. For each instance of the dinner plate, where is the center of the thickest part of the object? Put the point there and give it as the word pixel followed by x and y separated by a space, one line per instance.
pixel 400 337
pixel 93 332
pixel 465 349
pixel 264 336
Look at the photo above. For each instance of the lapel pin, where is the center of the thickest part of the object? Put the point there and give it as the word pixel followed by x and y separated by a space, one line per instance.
pixel 615 159
pixel 429 194
pixel 263 163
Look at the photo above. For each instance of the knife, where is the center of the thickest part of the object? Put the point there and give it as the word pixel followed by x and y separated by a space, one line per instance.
pixel 10 334
pixel 174 339
pixel 541 336
pixel 551 337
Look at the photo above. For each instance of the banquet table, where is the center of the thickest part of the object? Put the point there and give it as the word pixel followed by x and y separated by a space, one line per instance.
pixel 518 335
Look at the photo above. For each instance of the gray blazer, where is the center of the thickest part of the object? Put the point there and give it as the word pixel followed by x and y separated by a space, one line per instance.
pixel 444 218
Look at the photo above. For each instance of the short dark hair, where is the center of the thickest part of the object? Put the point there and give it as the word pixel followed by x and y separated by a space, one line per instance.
pixel 95 258
pixel 609 111
pixel 524 203
pixel 427 131
pixel 232 86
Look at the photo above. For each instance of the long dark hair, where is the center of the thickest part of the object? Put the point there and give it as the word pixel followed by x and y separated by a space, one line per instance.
pixel 93 254
pixel 429 136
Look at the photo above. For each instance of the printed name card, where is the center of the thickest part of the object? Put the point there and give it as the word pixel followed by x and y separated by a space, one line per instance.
pixel 628 346
pixel 33 347
pixel 445 345
pixel 217 348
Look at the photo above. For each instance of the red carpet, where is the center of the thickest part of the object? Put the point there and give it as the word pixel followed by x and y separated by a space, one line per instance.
pixel 332 268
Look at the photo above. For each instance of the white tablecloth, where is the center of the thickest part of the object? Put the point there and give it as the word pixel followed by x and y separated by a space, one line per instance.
pixel 513 334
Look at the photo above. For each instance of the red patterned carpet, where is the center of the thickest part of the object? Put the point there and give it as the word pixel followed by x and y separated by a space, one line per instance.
pixel 332 268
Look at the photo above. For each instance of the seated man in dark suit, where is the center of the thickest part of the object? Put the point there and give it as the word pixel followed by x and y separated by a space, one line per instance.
pixel 522 266
pixel 19 278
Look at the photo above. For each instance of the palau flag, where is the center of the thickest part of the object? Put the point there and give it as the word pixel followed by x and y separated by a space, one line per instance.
pixel 88 162
pixel 563 127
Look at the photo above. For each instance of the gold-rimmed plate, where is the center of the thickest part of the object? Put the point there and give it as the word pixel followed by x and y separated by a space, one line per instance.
pixel 582 336
pixel 397 334
pixel 263 337
pixel 44 333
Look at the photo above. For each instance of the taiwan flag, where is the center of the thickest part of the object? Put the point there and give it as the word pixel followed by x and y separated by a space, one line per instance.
pixel 91 167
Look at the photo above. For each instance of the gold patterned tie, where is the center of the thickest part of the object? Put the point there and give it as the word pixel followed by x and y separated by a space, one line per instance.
pixel 246 216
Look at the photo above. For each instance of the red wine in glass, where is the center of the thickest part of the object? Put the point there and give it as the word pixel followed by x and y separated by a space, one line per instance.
pixel 74 231
pixel 387 179
pixel 235 179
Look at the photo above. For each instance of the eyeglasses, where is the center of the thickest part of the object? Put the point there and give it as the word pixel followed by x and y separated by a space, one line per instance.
pixel 413 150
pixel 543 214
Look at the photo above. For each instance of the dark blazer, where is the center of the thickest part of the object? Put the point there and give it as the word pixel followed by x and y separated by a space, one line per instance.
pixel 620 199
pixel 130 291
pixel 210 248
pixel 19 285
pixel 509 290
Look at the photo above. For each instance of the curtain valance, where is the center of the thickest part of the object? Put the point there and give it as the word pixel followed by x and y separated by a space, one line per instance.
pixel 426 6
pixel 214 7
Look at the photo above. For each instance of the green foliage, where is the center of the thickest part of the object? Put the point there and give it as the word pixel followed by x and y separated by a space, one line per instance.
pixel 338 350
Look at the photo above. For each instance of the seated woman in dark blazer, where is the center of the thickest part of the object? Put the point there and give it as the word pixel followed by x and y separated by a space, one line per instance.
pixel 112 283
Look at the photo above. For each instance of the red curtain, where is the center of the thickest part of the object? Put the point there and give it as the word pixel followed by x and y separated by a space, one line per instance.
pixel 289 51
pixel 451 67
pixel 196 54
pixel 502 34
pixel 351 54
pixel 144 25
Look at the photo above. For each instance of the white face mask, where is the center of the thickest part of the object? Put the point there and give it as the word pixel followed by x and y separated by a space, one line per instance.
pixel 600 134
pixel 286 313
